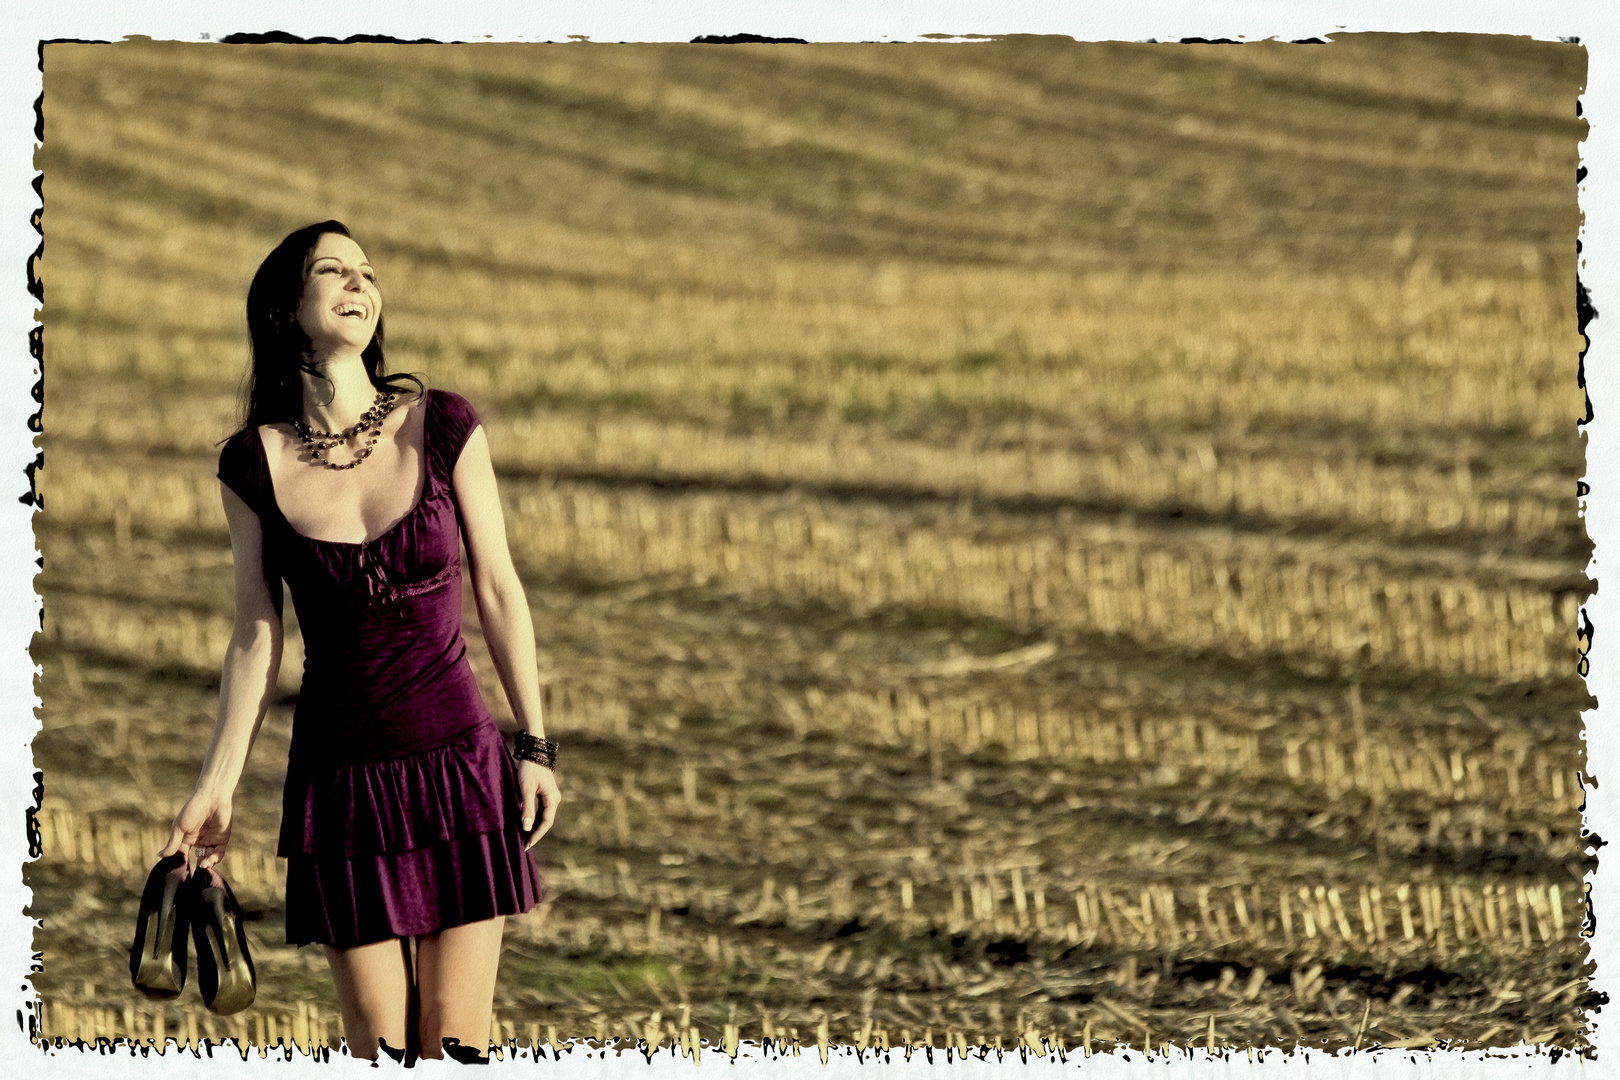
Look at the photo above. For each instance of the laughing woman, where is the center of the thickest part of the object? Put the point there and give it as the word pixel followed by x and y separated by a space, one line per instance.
pixel 403 817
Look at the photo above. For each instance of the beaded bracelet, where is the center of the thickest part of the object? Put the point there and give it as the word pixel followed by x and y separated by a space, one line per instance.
pixel 526 747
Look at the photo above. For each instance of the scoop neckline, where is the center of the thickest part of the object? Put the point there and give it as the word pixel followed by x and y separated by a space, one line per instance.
pixel 428 397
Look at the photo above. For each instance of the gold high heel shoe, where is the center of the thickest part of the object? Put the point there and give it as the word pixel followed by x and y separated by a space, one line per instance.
pixel 157 959
pixel 225 974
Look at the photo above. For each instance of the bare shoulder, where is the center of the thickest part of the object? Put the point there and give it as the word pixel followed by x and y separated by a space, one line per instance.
pixel 410 404
pixel 276 437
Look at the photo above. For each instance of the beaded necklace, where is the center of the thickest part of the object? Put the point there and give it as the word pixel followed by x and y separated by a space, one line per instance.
pixel 317 443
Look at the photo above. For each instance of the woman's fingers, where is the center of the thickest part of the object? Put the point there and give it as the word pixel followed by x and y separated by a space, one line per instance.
pixel 211 844
pixel 540 798
pixel 203 825
pixel 551 795
pixel 529 806
pixel 528 809
pixel 180 839
pixel 545 823
pixel 177 840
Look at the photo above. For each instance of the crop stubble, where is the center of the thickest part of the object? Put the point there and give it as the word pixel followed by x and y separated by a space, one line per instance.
pixel 992 588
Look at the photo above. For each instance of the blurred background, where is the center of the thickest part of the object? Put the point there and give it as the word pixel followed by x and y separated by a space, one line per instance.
pixel 1030 542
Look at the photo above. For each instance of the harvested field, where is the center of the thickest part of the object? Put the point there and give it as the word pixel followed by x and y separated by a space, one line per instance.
pixel 1033 544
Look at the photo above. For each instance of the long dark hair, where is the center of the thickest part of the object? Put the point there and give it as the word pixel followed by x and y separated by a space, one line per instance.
pixel 274 393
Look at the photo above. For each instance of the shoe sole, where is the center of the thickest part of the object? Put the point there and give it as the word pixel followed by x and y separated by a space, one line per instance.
pixel 235 990
pixel 158 976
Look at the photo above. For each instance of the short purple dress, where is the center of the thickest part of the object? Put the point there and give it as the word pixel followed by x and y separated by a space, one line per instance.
pixel 401 814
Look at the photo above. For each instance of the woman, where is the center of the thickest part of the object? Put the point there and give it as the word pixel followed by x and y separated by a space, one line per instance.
pixel 403 815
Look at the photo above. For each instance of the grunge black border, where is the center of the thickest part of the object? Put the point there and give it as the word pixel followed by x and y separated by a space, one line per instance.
pixel 1585 311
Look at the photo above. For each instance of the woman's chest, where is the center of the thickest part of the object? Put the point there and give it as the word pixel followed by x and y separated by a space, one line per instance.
pixel 418 552
pixel 346 506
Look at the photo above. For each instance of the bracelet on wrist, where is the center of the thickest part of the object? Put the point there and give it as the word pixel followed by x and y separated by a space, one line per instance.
pixel 526 747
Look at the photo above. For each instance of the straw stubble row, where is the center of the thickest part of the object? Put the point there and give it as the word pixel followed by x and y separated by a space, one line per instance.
pixel 1192 588
pixel 311 1032
pixel 1515 777
pixel 813 339
pixel 1505 772
pixel 1509 913
pixel 155 1028
pixel 1283 484
pixel 1212 590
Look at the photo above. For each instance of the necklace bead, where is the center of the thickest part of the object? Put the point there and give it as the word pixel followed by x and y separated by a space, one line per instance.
pixel 317 443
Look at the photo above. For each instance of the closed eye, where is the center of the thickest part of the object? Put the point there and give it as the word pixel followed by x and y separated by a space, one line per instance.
pixel 371 278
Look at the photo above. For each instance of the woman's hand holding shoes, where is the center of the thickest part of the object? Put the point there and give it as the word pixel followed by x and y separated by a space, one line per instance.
pixel 204 823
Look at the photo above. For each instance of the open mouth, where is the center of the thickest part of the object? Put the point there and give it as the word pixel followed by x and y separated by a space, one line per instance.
pixel 350 311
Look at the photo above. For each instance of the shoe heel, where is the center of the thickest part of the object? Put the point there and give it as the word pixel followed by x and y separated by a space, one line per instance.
pixel 160 969
pixel 224 968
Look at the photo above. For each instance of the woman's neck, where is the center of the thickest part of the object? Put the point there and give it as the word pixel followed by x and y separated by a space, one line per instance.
pixel 336 398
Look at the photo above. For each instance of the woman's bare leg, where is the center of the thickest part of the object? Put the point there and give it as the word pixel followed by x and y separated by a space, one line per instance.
pixel 374 993
pixel 455 979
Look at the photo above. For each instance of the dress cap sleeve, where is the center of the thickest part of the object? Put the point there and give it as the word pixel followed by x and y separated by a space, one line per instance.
pixel 242 469
pixel 453 420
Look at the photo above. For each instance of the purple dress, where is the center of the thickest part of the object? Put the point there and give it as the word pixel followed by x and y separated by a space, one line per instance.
pixel 401 814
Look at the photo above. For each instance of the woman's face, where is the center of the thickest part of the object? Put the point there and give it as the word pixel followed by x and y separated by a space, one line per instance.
pixel 340 305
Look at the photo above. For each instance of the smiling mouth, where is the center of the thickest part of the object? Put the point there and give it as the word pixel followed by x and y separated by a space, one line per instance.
pixel 350 311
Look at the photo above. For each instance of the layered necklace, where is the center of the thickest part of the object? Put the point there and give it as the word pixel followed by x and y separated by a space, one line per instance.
pixel 370 423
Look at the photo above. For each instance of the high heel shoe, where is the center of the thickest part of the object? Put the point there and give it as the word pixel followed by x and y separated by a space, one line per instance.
pixel 225 974
pixel 157 959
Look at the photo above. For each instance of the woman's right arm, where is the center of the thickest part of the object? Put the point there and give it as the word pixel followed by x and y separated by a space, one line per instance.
pixel 252 662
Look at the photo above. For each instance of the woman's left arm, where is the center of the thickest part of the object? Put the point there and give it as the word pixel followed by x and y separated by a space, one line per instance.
pixel 503 609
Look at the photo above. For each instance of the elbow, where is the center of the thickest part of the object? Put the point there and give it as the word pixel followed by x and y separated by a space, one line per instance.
pixel 253 658
pixel 499 593
pixel 258 633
